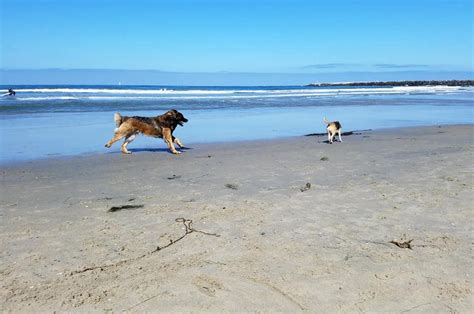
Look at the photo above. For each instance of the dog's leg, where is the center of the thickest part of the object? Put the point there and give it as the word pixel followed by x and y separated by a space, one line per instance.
pixel 177 141
pixel 339 133
pixel 128 140
pixel 118 135
pixel 329 137
pixel 332 137
pixel 169 140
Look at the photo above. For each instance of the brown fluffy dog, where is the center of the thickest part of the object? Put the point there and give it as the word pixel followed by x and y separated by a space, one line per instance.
pixel 333 127
pixel 160 126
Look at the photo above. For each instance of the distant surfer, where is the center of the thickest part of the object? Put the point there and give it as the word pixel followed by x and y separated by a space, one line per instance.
pixel 10 92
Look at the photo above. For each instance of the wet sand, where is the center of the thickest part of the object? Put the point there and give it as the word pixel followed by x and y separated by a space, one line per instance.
pixel 287 225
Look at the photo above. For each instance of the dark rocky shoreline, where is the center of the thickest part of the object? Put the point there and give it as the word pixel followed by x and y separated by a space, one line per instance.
pixel 401 83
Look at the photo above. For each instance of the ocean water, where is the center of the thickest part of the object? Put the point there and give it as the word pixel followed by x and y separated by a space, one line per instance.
pixel 44 121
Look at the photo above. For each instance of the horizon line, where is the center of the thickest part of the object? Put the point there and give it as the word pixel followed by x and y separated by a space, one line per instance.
pixel 396 70
pixel 306 84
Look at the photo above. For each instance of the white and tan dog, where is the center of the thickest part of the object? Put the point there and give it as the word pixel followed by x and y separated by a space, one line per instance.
pixel 333 127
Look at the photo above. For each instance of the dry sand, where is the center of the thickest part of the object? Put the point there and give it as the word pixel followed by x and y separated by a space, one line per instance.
pixel 271 242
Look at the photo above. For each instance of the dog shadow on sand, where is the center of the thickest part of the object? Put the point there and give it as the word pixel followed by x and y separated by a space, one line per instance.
pixel 153 150
pixel 361 132
pixel 327 142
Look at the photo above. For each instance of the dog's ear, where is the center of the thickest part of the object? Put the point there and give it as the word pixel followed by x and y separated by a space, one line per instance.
pixel 168 119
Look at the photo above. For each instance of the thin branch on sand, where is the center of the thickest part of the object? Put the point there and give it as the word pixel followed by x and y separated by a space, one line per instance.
pixel 188 225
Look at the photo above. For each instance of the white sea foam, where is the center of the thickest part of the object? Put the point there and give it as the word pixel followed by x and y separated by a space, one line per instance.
pixel 46 98
pixel 399 89
pixel 119 91
pixel 44 94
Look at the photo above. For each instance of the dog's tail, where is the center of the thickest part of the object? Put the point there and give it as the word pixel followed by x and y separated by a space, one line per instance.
pixel 118 120
pixel 326 120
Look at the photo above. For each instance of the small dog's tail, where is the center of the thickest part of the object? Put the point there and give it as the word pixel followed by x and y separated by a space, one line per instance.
pixel 117 119
pixel 326 120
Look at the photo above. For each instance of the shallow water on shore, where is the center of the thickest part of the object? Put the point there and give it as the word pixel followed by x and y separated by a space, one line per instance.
pixel 57 121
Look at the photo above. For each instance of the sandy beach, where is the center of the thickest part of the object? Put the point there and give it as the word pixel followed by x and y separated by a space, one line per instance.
pixel 290 225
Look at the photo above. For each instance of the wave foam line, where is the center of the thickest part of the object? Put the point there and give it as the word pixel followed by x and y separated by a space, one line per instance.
pixel 329 93
pixel 400 89
pixel 118 91
pixel 46 98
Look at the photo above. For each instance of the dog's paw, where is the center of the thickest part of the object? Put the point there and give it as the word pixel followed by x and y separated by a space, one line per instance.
pixel 176 152
pixel 107 145
pixel 126 152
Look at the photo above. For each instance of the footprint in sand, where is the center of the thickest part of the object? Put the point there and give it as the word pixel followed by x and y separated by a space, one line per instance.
pixel 207 285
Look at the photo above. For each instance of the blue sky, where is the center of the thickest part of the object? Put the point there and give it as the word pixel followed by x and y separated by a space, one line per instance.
pixel 239 36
